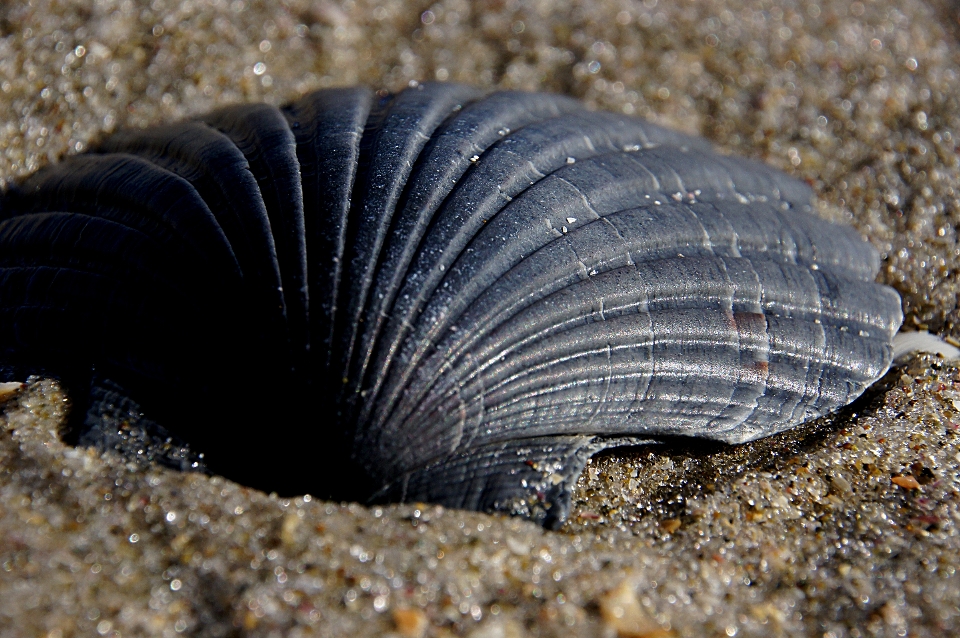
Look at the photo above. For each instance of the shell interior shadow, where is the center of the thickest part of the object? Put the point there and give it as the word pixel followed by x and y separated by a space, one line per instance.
pixel 436 295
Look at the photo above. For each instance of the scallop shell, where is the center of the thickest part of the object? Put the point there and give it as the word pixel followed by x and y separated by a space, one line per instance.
pixel 436 295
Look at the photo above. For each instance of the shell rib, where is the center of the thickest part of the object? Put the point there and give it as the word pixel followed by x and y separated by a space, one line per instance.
pixel 454 297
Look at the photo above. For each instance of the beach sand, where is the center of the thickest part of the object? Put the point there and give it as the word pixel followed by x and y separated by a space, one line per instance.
pixel 843 527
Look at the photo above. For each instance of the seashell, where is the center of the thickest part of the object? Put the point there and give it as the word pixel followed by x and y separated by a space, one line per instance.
pixel 449 296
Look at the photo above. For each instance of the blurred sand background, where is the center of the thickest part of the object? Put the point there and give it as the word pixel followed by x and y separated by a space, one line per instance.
pixel 846 527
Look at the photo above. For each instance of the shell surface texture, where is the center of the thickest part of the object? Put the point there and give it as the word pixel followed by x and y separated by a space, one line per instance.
pixel 437 295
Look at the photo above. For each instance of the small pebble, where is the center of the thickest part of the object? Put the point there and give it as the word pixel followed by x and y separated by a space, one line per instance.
pixel 622 613
pixel 10 389
pixel 410 623
pixel 670 525
pixel 906 482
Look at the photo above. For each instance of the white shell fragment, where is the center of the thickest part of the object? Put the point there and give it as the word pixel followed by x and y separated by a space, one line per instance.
pixel 10 390
pixel 907 343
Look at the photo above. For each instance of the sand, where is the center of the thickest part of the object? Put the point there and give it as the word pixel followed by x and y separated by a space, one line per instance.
pixel 844 527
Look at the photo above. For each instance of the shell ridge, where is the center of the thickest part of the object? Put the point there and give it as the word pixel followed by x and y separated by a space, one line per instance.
pixel 634 295
pixel 600 261
pixel 834 247
pixel 605 396
pixel 459 300
pixel 506 311
pixel 45 197
pixel 415 272
pixel 461 229
pixel 420 204
pixel 587 205
pixel 185 143
pixel 503 345
pixel 328 161
pixel 749 230
pixel 465 441
pixel 64 188
pixel 199 153
pixel 560 410
pixel 407 227
pixel 746 315
pixel 556 357
pixel 469 331
pixel 391 146
pixel 738 395
pixel 715 176
pixel 641 298
pixel 718 215
pixel 706 239
pixel 847 253
pixel 826 291
pixel 834 357
pixel 430 323
pixel 811 387
pixel 672 397
pixel 459 433
pixel 525 369
pixel 786 188
pixel 263 136
pixel 600 351
pixel 443 104
pixel 624 243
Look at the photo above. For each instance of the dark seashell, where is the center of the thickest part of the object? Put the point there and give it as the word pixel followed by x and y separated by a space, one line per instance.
pixel 447 296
